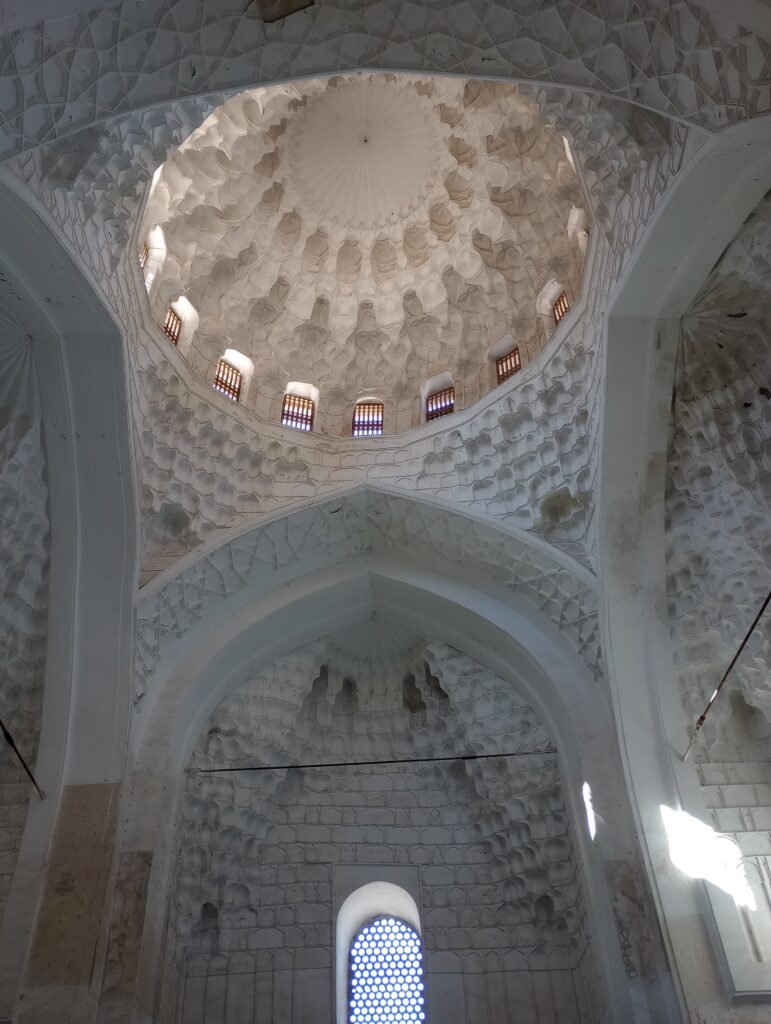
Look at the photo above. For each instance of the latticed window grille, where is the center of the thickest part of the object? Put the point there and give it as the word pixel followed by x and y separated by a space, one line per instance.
pixel 440 403
pixel 367 419
pixel 508 365
pixel 385 974
pixel 560 307
pixel 172 325
pixel 143 256
pixel 227 380
pixel 297 412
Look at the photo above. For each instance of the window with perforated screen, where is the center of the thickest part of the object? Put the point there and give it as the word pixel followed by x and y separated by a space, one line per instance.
pixel 561 306
pixel 227 380
pixel 172 325
pixel 367 419
pixel 385 974
pixel 297 412
pixel 508 365
pixel 440 403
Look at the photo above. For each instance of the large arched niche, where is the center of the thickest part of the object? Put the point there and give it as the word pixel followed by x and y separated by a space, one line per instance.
pixel 704 927
pixel 206 625
pixel 505 902
pixel 79 704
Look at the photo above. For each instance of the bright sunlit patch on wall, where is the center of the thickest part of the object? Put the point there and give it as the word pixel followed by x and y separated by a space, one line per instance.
pixel 700 852
pixel 568 152
pixel 591 821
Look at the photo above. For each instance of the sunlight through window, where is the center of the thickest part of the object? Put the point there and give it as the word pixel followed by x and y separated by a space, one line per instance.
pixel 700 852
pixel 386 974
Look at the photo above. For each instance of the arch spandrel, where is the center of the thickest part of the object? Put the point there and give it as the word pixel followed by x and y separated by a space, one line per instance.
pixel 362 523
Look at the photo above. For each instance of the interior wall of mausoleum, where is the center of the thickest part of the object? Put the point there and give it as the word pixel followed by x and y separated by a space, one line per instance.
pixel 524 455
pixel 261 857
pixel 717 534
pixel 522 463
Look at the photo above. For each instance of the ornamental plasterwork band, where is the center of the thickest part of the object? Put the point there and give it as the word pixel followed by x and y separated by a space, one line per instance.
pixel 62 65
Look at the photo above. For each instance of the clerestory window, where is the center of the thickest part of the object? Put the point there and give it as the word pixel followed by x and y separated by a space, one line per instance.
pixel 172 325
pixel 508 365
pixel 227 380
pixel 367 419
pixel 297 412
pixel 385 974
pixel 560 307
pixel 440 403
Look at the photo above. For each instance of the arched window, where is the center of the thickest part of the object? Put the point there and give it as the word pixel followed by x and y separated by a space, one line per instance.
pixel 152 255
pixel 507 365
pixel 299 406
pixel 440 403
pixel 180 323
pixel 362 952
pixel 560 307
pixel 385 974
pixel 227 380
pixel 367 418
pixel 172 325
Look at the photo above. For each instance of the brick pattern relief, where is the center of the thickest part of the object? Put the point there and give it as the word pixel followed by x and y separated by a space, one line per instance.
pixel 24 553
pixel 500 890
pixel 74 72
pixel 719 543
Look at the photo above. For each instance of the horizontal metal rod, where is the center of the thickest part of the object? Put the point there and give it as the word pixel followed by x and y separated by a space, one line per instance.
pixel 368 764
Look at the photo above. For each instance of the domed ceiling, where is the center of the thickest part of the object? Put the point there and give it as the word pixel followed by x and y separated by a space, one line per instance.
pixel 365 233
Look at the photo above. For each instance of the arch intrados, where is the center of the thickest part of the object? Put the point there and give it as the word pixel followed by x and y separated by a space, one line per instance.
pixel 509 637
pixel 503 632
pixel 674 259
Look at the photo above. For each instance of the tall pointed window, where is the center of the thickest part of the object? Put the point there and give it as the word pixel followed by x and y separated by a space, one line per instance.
pixel 297 412
pixel 385 974
pixel 560 307
pixel 508 365
pixel 143 256
pixel 367 419
pixel 440 403
pixel 172 325
pixel 227 380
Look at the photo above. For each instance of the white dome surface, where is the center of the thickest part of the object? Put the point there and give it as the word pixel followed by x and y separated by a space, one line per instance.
pixel 364 153
pixel 366 233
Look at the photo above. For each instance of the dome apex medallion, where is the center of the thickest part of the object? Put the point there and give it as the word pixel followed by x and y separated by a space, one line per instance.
pixel 364 153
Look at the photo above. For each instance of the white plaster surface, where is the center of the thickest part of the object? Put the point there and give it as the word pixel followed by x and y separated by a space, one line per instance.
pixel 499 887
pixel 24 554
pixel 368 521
pixel 527 455
pixel 116 91
pixel 365 233
pixel 718 546
pixel 73 72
